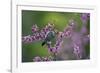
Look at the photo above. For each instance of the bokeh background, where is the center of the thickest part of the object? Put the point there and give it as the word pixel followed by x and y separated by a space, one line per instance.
pixel 42 18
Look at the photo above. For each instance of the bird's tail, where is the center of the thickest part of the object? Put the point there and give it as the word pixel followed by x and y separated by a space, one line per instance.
pixel 43 43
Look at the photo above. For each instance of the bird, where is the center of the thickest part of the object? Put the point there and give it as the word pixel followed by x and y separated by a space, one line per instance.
pixel 49 37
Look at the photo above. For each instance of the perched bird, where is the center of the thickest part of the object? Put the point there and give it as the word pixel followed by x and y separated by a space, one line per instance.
pixel 49 36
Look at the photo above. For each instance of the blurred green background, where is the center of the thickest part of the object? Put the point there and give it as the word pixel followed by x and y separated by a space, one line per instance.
pixel 41 18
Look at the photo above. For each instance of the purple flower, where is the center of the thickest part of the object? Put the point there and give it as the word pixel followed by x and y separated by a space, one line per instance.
pixel 34 28
pixel 33 37
pixel 45 58
pixel 85 17
pixel 86 39
pixel 84 30
pixel 67 33
pixel 77 51
pixel 53 49
pixel 27 39
pixel 37 59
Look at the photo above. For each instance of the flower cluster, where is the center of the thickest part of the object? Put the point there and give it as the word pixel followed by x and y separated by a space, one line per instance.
pixel 38 59
pixel 37 35
pixel 85 37
pixel 85 17
pixel 35 28
pixel 77 51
